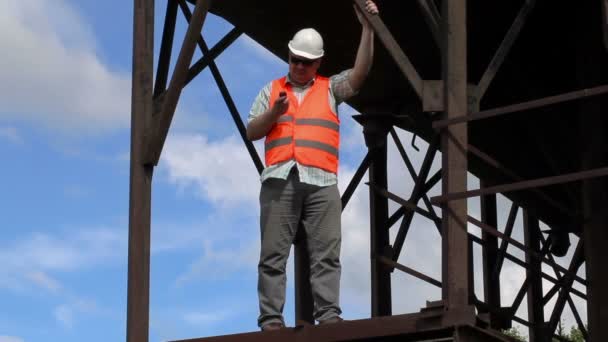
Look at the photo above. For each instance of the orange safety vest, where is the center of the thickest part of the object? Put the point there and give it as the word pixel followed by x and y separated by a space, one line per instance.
pixel 308 132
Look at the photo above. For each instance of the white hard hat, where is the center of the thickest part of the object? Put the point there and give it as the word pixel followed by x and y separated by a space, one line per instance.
pixel 307 43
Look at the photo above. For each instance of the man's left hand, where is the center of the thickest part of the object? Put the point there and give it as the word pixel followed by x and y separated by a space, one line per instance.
pixel 371 8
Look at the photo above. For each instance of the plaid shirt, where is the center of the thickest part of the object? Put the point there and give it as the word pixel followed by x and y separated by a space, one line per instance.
pixel 339 91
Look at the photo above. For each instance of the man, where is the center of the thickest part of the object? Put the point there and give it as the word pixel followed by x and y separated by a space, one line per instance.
pixel 298 116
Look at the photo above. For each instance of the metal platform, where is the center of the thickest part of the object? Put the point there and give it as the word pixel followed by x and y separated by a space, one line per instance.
pixel 511 91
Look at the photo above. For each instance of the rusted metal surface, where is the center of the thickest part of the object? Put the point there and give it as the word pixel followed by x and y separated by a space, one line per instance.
pixel 547 101
pixel 519 245
pixel 561 283
pixel 304 304
pixel 575 263
pixel 534 294
pixel 166 47
pixel 504 244
pixel 140 180
pixel 404 203
pixel 354 182
pixel 513 176
pixel 381 303
pixel 214 52
pixel 415 197
pixel 504 48
pixel 455 266
pixel 409 271
pixel 394 49
pixel 605 22
pixel 570 177
pixel 388 328
pixel 162 120
pixel 425 187
pixel 491 280
pixel 219 80
pixel 432 18
pixel 523 264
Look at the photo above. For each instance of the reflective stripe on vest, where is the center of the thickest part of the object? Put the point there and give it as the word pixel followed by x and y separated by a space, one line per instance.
pixel 308 132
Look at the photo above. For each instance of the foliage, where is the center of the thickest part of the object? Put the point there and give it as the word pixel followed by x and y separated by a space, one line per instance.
pixel 514 333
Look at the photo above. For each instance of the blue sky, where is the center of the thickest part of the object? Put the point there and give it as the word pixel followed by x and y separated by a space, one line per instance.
pixel 64 142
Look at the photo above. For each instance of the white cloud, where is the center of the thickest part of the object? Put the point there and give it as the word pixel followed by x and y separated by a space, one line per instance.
pixel 44 280
pixel 51 73
pixel 11 134
pixel 220 171
pixel 64 315
pixel 206 318
pixel 32 259
pixel 68 313
pixel 5 338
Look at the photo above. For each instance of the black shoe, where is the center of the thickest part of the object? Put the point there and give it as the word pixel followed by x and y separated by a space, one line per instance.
pixel 272 326
pixel 335 319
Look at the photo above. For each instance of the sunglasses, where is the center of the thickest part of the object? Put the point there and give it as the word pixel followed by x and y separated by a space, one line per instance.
pixel 305 62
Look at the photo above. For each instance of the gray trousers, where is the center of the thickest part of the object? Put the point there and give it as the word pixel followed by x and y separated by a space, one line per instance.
pixel 284 204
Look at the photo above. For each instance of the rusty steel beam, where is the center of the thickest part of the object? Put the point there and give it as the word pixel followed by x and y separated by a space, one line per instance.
pixel 219 80
pixel 381 303
pixel 509 173
pixel 546 101
pixel 520 297
pixel 575 263
pixel 524 185
pixel 140 177
pixel 409 271
pixel 520 246
pixel 304 302
pixel 504 244
pixel 413 174
pixel 432 18
pixel 432 215
pixel 354 182
pixel 605 22
pixel 504 48
pixel 455 267
pixel 556 287
pixel 393 48
pixel 166 47
pixel 404 327
pixel 404 203
pixel 523 264
pixel 214 52
pixel 415 197
pixel 162 120
pixel 491 280
pixel 534 296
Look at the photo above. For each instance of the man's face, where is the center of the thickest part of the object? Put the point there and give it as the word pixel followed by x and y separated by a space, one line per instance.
pixel 302 70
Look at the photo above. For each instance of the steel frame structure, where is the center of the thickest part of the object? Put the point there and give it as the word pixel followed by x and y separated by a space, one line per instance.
pixel 459 314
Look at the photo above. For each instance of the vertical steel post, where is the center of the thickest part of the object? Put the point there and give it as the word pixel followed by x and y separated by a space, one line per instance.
pixel 454 139
pixel 592 69
pixel 491 280
pixel 304 304
pixel 536 316
pixel 140 183
pixel 379 234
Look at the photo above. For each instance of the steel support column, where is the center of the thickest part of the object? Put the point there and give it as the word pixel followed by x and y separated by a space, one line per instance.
pixel 140 182
pixel 455 266
pixel 304 303
pixel 592 69
pixel 491 280
pixel 381 304
pixel 533 273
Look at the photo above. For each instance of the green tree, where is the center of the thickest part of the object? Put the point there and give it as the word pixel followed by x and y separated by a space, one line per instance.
pixel 514 333
pixel 576 335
